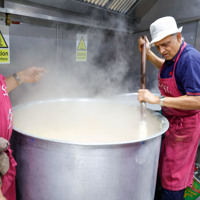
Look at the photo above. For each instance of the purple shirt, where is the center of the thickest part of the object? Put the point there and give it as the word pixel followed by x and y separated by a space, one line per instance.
pixel 187 72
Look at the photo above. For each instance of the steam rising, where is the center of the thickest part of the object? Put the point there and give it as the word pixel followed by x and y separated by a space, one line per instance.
pixel 112 66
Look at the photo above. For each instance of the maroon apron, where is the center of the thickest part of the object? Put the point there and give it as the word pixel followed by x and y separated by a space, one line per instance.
pixel 6 125
pixel 179 146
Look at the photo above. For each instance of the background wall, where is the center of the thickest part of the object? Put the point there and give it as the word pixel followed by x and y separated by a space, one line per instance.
pixel 113 63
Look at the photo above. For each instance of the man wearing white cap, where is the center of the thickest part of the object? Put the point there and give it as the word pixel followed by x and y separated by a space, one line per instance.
pixel 179 85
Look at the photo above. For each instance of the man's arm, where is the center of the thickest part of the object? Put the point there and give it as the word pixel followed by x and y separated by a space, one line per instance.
pixel 11 83
pixel 153 58
pixel 29 75
pixel 1 195
pixel 183 102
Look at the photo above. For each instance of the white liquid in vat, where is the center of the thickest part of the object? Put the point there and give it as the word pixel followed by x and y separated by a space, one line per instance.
pixel 85 121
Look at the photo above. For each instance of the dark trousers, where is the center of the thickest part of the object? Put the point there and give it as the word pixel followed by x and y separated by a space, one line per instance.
pixel 163 194
pixel 172 195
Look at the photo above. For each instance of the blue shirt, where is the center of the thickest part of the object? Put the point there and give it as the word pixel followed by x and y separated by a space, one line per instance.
pixel 187 72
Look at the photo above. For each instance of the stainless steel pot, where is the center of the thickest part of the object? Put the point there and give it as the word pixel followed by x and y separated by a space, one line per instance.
pixel 51 170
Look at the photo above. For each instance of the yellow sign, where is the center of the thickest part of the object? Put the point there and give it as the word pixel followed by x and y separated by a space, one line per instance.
pixel 4 56
pixel 4 45
pixel 81 47
pixel 81 56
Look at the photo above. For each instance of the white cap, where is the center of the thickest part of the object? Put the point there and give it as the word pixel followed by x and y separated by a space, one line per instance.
pixel 163 27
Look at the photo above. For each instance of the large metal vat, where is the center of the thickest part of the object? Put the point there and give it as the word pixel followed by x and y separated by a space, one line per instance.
pixel 52 169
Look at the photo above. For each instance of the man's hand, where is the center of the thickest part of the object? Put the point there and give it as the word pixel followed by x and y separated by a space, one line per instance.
pixel 141 41
pixel 146 96
pixel 31 74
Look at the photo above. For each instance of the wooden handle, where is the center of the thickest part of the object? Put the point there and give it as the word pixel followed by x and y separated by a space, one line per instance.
pixel 143 77
pixel 143 65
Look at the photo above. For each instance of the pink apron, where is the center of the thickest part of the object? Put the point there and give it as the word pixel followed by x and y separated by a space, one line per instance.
pixel 179 146
pixel 6 124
